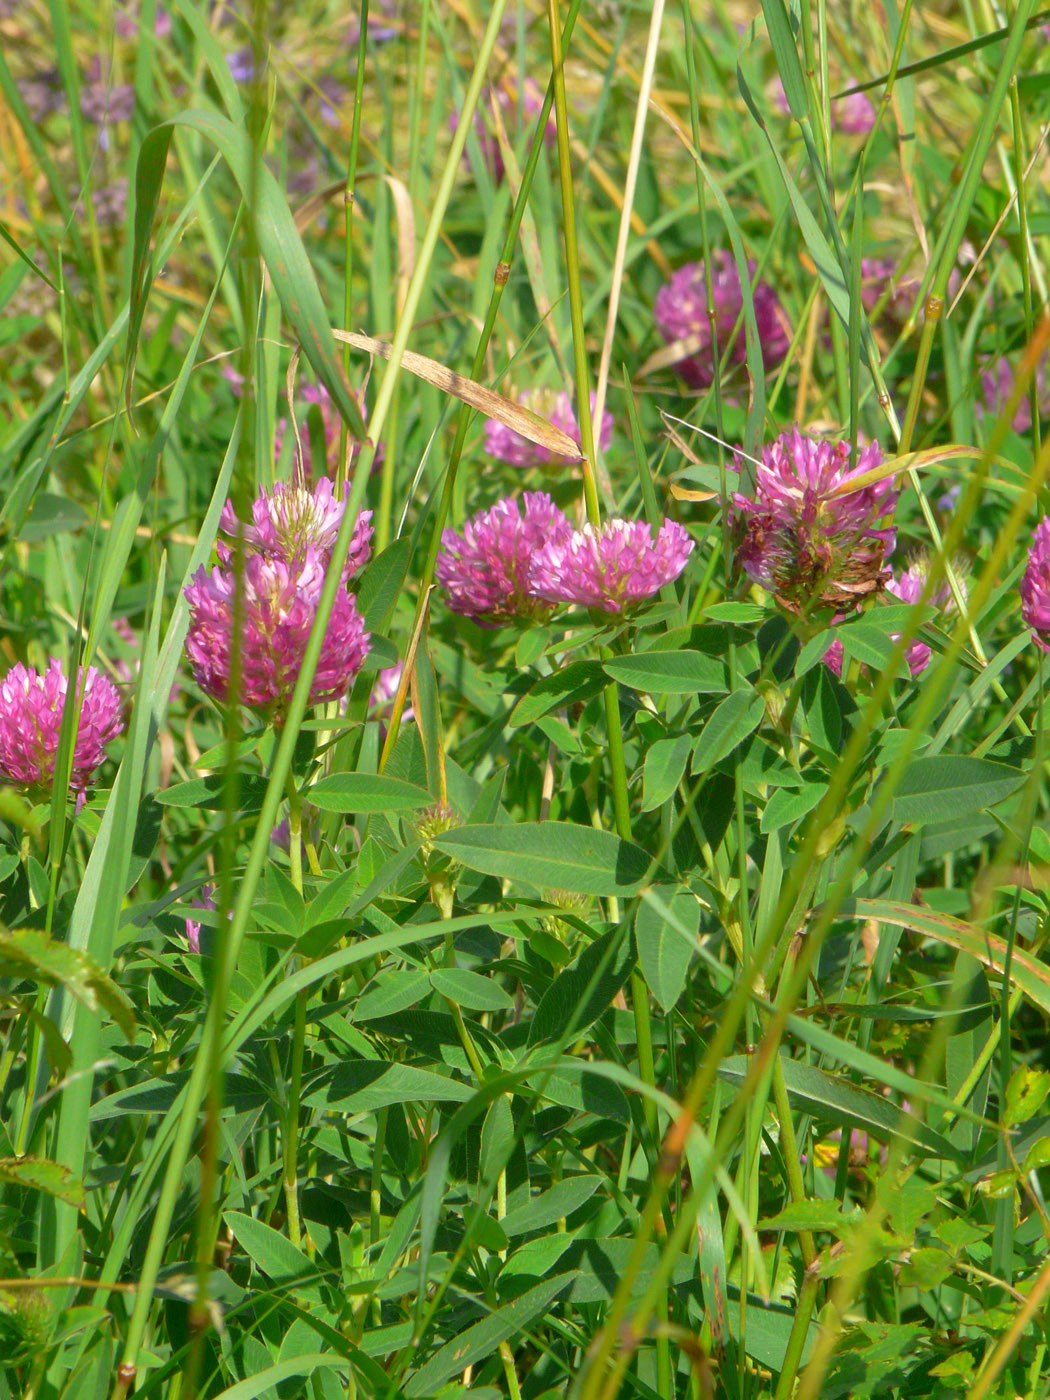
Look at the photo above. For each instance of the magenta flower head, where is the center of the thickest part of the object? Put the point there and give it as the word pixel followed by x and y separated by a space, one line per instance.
pixel 505 96
pixel 485 570
pixel 205 900
pixel 31 706
pixel 613 568
pixel 681 313
pixel 294 520
pixel 908 588
pixel 306 468
pixel 882 288
pixel 274 616
pixel 1035 585
pixel 997 384
pixel 853 114
pixel 806 535
pixel 506 445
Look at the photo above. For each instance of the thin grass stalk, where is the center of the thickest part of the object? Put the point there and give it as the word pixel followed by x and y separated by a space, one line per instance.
pixel 572 268
pixel 955 228
pixel 465 413
pixel 611 698
pixel 630 184
pixel 281 764
pixel 1021 183
pixel 348 234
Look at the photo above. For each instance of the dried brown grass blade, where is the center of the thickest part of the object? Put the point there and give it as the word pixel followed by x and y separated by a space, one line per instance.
pixel 515 415
pixel 406 237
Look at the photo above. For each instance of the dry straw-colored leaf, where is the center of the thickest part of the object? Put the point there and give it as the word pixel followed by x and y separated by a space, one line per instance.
pixel 515 415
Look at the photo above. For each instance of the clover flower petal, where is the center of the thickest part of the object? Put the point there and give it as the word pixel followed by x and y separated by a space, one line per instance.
pixel 274 614
pixel 805 535
pixel 611 568
pixel 680 313
pixel 1035 586
pixel 31 706
pixel 485 569
pixel 292 520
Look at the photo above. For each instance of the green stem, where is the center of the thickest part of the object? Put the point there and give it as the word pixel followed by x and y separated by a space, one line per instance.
pixel 789 1144
pixel 797 1338
pixel 290 1145
pixel 291 1133
pixel 572 268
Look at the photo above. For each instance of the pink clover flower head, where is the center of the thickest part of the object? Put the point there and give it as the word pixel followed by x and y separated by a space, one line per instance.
pixel 505 95
pixel 293 520
pixel 880 284
pixel 805 535
pixel 506 445
pixel 31 705
pixel 907 588
pixel 205 900
pixel 612 568
pixel 274 615
pixel 317 394
pixel 680 313
pixel 853 114
pixel 1035 586
pixel 997 384
pixel 385 688
pixel 486 569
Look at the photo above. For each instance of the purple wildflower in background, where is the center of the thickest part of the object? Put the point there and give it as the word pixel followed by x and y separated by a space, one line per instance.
pixel 853 114
pixel 42 92
pixel 317 394
pixel 126 21
pixel 1035 585
pixel 241 64
pixel 611 568
pixel 204 900
pixel 485 570
pixel 385 688
pixel 31 706
pixel 381 700
pixel 102 101
pixel 908 588
pixel 505 95
pixel 807 536
pixel 880 282
pixel 506 445
pixel 275 614
pixel 111 202
pixel 997 384
pixel 680 313
pixel 292 521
